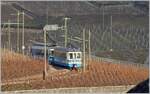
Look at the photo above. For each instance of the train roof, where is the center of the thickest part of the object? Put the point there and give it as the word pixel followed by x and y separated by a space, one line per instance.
pixel 56 48
pixel 42 47
pixel 42 44
pixel 67 49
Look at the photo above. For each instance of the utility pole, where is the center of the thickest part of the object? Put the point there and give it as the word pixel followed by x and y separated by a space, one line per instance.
pixel 8 24
pixel 46 29
pixel 103 18
pixel 9 34
pixel 23 44
pixel 45 69
pixel 84 50
pixel 18 28
pixel 111 34
pixel 47 7
pixel 18 31
pixel 89 46
pixel 66 31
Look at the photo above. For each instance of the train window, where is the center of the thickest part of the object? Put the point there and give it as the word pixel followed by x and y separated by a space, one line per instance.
pixel 60 54
pixel 71 56
pixel 78 55
pixel 52 52
pixel 74 55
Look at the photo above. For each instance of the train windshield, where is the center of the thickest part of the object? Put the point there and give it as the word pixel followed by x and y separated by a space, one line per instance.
pixel 78 55
pixel 70 55
pixel 74 55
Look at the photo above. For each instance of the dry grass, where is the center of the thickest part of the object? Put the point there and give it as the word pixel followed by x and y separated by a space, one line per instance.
pixel 15 65
pixel 98 74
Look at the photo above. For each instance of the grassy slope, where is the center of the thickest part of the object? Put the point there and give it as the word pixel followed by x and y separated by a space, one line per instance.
pixel 99 74
pixel 15 65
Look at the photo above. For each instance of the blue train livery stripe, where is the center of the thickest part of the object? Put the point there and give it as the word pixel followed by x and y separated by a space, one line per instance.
pixel 58 60
pixel 77 65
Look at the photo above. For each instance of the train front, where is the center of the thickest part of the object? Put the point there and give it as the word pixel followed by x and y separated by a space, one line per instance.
pixel 66 57
pixel 74 59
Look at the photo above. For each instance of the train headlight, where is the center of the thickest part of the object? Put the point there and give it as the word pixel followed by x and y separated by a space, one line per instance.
pixel 75 65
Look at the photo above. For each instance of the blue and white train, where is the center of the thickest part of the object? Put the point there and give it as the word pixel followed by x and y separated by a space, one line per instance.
pixel 67 57
pixel 60 56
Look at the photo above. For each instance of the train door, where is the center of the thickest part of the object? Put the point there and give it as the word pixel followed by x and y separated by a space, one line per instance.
pixel 51 52
pixel 69 57
pixel 79 57
pixel 50 56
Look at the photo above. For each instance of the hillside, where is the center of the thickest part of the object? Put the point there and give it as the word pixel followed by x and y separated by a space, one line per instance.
pixel 130 26
pixel 15 65
pixel 97 74
pixel 37 12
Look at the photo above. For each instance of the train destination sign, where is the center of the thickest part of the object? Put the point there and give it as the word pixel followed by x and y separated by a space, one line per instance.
pixel 51 27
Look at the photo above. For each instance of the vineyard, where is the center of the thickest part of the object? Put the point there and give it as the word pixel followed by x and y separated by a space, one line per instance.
pixel 97 74
pixel 16 65
pixel 116 34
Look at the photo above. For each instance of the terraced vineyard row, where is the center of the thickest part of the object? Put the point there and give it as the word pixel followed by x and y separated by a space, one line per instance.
pixel 15 65
pixel 99 74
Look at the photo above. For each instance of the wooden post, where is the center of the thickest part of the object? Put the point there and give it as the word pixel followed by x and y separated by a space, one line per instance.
pixel 44 75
